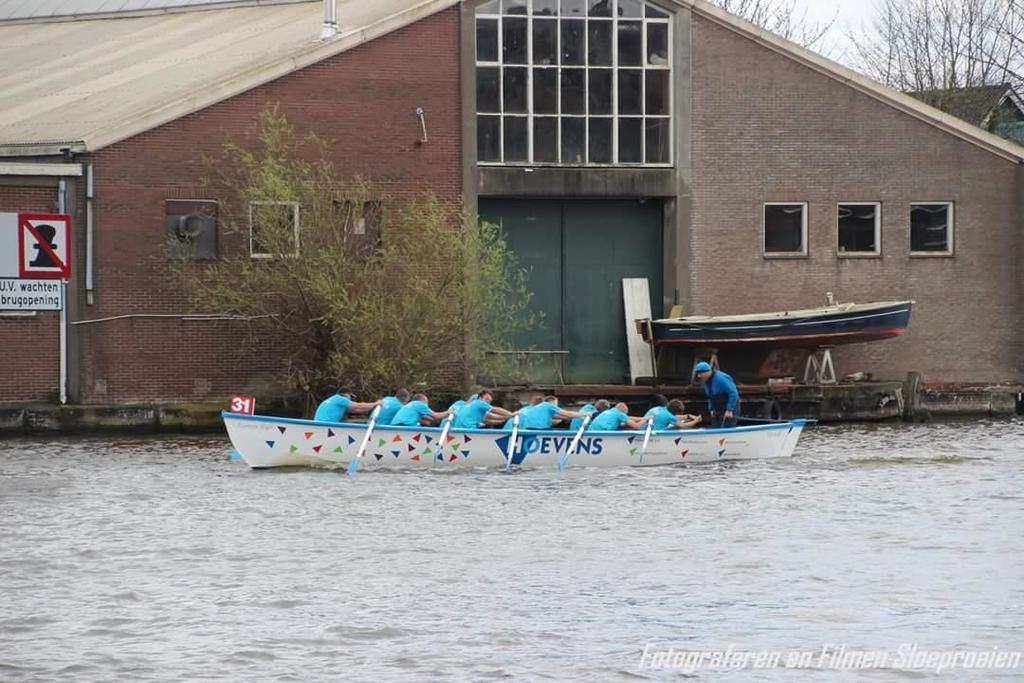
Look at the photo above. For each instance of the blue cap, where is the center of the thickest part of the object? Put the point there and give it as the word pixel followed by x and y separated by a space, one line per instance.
pixel 702 367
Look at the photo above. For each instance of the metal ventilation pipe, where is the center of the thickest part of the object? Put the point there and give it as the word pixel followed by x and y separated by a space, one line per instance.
pixel 330 21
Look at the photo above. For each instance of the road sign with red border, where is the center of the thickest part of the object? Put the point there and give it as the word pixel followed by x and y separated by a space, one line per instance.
pixel 44 246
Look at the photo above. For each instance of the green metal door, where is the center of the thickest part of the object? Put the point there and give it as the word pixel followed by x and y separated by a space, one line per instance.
pixel 533 231
pixel 605 241
pixel 576 253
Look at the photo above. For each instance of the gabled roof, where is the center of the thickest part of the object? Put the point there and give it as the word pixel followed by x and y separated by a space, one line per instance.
pixel 88 83
pixel 893 98
pixel 974 104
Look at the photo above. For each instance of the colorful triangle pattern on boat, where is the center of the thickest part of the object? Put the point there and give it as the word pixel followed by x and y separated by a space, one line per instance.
pixel 271 443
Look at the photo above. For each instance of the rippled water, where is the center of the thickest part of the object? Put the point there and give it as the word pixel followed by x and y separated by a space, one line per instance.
pixel 158 559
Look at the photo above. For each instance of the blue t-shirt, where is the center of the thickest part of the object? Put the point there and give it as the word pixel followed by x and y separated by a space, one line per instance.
pixel 609 420
pixel 539 416
pixel 577 421
pixel 333 409
pixel 457 406
pixel 663 417
pixel 409 415
pixel 721 392
pixel 389 407
pixel 472 414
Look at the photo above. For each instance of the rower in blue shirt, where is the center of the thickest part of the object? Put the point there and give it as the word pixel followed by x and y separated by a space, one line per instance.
pixel 475 413
pixel 592 409
pixel 417 412
pixel 544 414
pixel 334 408
pixel 671 416
pixel 390 405
pixel 616 417
pixel 723 397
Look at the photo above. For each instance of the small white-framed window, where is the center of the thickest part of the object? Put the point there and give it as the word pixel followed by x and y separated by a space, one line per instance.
pixel 784 229
pixel 931 228
pixel 273 229
pixel 859 228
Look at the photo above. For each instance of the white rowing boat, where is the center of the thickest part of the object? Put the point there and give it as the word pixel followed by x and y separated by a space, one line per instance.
pixel 284 442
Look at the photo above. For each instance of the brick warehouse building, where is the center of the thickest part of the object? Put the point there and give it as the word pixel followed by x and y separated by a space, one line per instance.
pixel 661 139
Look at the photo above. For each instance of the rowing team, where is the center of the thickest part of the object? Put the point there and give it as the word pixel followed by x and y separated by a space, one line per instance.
pixel 477 411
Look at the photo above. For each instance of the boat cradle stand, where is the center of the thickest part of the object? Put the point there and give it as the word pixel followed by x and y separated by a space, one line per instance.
pixel 819 368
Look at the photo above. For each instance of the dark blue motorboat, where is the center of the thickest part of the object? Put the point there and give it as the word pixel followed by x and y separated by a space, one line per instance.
pixel 808 328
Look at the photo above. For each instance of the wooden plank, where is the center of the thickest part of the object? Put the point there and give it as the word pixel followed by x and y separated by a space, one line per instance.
pixel 636 298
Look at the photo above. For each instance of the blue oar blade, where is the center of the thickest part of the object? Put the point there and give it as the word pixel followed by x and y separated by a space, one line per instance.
pixel 353 466
pixel 235 455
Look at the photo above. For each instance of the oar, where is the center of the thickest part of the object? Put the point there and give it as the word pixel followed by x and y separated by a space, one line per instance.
pixel 353 466
pixel 444 435
pixel 647 437
pixel 510 451
pixel 575 443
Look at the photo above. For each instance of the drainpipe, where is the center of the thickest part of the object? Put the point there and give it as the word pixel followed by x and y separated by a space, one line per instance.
pixel 88 236
pixel 330 28
pixel 62 207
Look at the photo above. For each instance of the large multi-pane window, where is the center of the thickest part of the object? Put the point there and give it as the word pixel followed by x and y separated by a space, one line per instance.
pixel 573 82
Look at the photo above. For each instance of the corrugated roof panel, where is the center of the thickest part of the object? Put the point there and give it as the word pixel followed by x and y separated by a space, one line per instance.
pixel 97 81
pixel 42 9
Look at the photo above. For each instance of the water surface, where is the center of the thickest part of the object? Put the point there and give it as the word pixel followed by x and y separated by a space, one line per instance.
pixel 156 559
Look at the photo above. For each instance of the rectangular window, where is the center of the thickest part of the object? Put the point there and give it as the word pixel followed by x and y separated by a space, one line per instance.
pixel 552 61
pixel 190 228
pixel 860 229
pixel 785 229
pixel 273 229
pixel 931 228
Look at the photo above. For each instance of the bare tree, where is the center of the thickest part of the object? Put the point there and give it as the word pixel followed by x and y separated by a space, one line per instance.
pixel 942 45
pixel 782 18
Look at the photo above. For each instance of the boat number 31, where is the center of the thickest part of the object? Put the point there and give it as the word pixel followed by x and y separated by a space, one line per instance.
pixel 243 404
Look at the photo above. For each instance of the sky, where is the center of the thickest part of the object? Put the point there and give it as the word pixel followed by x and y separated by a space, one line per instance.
pixel 850 16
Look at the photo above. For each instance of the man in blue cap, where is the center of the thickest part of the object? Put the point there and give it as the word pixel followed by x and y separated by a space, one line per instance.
pixel 723 398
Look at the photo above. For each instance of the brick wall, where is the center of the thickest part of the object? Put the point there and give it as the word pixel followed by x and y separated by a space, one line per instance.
pixel 768 129
pixel 29 365
pixel 363 100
